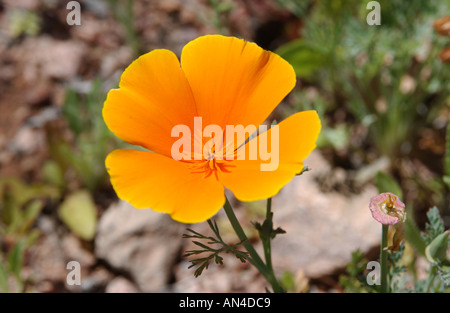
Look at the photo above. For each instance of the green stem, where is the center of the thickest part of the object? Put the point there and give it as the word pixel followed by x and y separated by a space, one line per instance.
pixel 431 276
pixel 266 239
pixel 255 259
pixel 384 259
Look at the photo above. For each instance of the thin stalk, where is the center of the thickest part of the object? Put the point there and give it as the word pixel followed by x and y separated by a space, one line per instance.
pixel 431 276
pixel 255 259
pixel 384 259
pixel 266 239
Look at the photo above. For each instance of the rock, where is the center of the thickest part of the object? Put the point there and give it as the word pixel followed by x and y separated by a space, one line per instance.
pixel 120 285
pixel 74 251
pixel 119 59
pixel 142 243
pixel 48 261
pixel 48 58
pixel 96 280
pixel 169 6
pixel 322 229
pixel 27 141
pixel 39 94
pixel 179 37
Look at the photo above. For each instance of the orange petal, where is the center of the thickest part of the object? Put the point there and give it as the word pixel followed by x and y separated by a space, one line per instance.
pixel 235 82
pixel 297 139
pixel 153 96
pixel 150 180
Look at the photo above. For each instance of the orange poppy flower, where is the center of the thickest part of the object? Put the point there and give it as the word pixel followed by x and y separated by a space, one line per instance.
pixel 225 81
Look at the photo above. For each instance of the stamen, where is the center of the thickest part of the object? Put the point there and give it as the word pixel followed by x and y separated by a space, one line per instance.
pixel 210 165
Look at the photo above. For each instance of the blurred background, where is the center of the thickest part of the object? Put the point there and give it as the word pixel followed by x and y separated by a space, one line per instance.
pixel 382 92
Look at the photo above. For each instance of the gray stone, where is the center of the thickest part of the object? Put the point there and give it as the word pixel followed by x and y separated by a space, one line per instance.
pixel 323 229
pixel 120 285
pixel 143 243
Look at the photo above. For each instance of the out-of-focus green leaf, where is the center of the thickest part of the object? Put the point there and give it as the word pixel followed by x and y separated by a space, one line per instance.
pixel 31 212
pixel 447 180
pixel 16 258
pixel 79 213
pixel 297 7
pixel 288 281
pixel 385 183
pixel 53 174
pixel 22 193
pixel 73 112
pixel 304 57
pixel 435 225
pixel 21 204
pixel 225 6
pixel 412 235
pixel 4 286
pixel 10 208
pixel 32 236
pixel 24 22
pixel 447 158
pixel 335 137
pixel 436 251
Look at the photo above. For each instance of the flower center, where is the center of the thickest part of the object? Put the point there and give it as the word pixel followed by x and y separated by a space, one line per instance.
pixel 210 165
pixel 389 208
pixel 389 205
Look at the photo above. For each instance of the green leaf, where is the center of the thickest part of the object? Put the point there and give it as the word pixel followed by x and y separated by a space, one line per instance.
pixel 16 258
pixel 304 57
pixel 202 263
pixel 435 225
pixel 225 6
pixel 52 174
pixel 385 183
pixel 10 209
pixel 4 285
pixel 436 251
pixel 287 281
pixel 337 137
pixel 79 213
pixel 412 235
pixel 447 157
pixel 30 214
pixel 72 111
pixel 447 180
pixel 22 193
pixel 32 236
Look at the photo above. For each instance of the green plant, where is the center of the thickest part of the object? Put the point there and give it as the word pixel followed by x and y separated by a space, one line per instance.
pixel 122 11
pixel 92 140
pixel 20 205
pixel 221 10
pixel 402 276
pixel 388 77
pixel 202 263
pixel 446 177
pixel 24 22
pixel 437 244
pixel 354 280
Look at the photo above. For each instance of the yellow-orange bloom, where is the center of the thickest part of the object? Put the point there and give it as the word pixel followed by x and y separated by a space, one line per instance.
pixel 224 80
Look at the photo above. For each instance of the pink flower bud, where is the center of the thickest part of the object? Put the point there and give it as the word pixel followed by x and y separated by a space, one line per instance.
pixel 387 209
